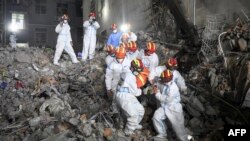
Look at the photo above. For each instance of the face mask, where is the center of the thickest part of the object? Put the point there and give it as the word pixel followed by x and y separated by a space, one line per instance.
pixel 119 60
pixel 114 31
pixel 112 55
pixel 91 18
pixel 65 21
pixel 130 52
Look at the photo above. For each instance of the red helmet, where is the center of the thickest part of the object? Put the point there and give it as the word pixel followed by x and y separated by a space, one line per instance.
pixel 166 75
pixel 65 17
pixel 110 49
pixel 132 46
pixel 113 26
pixel 92 14
pixel 151 48
pixel 137 65
pixel 172 62
pixel 120 53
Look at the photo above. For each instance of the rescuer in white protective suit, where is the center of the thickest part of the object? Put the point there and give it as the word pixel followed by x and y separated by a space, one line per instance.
pixel 126 95
pixel 167 92
pixel 64 41
pixel 113 71
pixel 111 54
pixel 13 40
pixel 132 50
pixel 149 57
pixel 89 41
pixel 177 78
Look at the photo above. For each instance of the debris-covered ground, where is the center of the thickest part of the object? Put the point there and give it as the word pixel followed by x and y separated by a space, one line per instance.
pixel 40 101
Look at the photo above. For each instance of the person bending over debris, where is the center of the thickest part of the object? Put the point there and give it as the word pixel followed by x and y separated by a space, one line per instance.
pixel 64 41
pixel 114 37
pixel 111 54
pixel 126 97
pixel 132 50
pixel 89 40
pixel 171 64
pixel 149 57
pixel 114 69
pixel 167 92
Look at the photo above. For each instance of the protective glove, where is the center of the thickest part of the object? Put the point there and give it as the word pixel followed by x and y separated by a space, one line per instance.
pixel 61 23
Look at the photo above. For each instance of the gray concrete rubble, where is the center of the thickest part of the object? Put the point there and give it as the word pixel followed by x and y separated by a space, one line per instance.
pixel 41 101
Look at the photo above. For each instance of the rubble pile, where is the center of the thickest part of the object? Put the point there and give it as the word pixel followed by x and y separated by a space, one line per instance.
pixel 237 38
pixel 40 101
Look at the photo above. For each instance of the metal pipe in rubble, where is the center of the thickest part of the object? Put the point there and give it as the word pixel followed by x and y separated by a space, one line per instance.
pixel 221 50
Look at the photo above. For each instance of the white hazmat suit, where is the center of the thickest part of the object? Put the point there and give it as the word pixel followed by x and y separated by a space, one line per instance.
pixel 89 40
pixel 150 62
pixel 177 78
pixel 126 99
pixel 113 75
pixel 64 43
pixel 169 97
pixel 109 59
pixel 132 55
pixel 113 72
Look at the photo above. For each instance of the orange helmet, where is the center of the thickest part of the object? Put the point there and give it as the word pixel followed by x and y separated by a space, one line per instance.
pixel 125 45
pixel 151 48
pixel 142 77
pixel 137 65
pixel 92 14
pixel 113 26
pixel 172 62
pixel 132 46
pixel 120 53
pixel 166 75
pixel 110 49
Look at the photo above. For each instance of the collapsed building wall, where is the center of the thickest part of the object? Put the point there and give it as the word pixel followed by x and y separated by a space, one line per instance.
pixel 230 8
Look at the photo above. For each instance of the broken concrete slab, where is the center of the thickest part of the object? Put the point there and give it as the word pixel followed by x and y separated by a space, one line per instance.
pixel 23 57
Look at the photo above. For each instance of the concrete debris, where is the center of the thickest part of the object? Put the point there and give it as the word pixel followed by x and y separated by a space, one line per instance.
pixel 41 101
pixel 64 136
pixel 210 110
pixel 196 104
pixel 195 123
pixel 54 105
pixel 192 111
pixel 86 129
pixel 22 57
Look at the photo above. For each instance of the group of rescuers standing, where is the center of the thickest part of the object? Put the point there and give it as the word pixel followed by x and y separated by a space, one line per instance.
pixel 129 74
